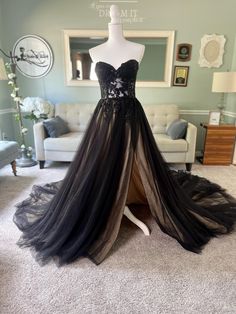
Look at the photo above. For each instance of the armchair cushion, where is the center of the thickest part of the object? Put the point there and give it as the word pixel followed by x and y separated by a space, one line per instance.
pixel 177 129
pixel 56 127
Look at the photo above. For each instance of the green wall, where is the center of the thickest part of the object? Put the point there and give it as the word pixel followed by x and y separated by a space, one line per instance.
pixel 6 117
pixel 190 19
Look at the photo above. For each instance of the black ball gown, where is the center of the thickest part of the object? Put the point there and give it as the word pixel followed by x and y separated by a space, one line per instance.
pixel 118 163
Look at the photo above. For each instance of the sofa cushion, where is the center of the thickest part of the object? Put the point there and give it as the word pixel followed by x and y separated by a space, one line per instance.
pixel 166 144
pixel 68 142
pixel 56 127
pixel 177 129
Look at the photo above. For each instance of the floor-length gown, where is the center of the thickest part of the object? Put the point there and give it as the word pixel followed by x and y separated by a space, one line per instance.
pixel 118 163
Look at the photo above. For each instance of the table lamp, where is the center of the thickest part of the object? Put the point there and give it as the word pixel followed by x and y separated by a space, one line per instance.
pixel 223 82
pixel 3 73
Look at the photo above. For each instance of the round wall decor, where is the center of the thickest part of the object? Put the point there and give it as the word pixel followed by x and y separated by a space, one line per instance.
pixel 33 56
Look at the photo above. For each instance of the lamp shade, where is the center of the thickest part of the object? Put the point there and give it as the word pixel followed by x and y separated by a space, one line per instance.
pixel 224 82
pixel 3 73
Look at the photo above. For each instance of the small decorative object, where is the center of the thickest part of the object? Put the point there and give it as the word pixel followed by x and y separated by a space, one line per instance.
pixel 214 118
pixel 223 82
pixel 180 76
pixel 211 51
pixel 34 56
pixel 184 52
pixel 37 108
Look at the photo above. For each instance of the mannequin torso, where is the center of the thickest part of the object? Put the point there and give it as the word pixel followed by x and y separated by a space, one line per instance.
pixel 116 50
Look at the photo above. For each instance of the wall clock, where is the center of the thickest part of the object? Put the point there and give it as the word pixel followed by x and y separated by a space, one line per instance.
pixel 211 51
pixel 33 56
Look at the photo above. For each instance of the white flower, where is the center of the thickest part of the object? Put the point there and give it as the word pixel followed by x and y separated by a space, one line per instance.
pixel 11 76
pixel 24 130
pixel 37 105
pixel 10 83
pixel 28 104
pixel 30 149
pixel 13 95
pixel 41 105
pixel 16 89
pixel 17 98
pixel 37 114
pixel 22 146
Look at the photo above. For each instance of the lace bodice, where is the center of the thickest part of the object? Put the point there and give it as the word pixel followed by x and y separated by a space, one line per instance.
pixel 117 83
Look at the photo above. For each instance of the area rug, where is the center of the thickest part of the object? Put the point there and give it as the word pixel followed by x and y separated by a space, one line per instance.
pixel 142 274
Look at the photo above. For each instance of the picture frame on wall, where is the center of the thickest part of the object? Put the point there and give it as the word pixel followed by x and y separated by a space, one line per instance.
pixel 214 118
pixel 183 53
pixel 212 51
pixel 180 77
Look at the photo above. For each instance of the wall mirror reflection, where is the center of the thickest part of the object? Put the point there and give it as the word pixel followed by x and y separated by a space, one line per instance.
pixel 155 69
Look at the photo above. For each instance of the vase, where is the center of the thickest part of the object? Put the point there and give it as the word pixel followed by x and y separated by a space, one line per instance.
pixel 25 160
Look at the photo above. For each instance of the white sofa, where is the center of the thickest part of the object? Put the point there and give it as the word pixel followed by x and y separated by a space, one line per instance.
pixel 77 116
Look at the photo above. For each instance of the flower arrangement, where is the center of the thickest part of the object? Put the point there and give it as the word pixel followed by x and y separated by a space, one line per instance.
pixel 37 108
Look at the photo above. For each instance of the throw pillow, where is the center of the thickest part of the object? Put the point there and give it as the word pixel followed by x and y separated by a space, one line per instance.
pixel 177 129
pixel 56 126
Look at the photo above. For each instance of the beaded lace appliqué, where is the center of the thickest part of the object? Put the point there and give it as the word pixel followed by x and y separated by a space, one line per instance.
pixel 118 88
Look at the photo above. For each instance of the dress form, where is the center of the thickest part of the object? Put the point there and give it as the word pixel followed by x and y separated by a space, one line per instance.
pixel 115 51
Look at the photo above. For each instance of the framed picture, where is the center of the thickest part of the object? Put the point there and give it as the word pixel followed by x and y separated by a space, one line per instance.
pixel 214 118
pixel 180 76
pixel 212 51
pixel 183 52
pixel 34 56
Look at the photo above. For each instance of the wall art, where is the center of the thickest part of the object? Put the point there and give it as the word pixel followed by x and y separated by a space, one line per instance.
pixel 34 56
pixel 183 52
pixel 180 76
pixel 211 51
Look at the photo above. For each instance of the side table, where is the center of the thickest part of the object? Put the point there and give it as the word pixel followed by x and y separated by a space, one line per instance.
pixel 219 144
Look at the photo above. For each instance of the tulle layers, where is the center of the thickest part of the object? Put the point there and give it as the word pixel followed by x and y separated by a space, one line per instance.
pixel 118 163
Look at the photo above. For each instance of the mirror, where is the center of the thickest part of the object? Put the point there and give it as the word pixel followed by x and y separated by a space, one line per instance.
pixel 155 69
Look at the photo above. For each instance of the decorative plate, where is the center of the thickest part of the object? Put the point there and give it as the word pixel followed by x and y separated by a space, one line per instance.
pixel 33 56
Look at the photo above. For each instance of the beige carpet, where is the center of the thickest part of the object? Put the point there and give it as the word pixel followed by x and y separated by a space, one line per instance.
pixel 141 275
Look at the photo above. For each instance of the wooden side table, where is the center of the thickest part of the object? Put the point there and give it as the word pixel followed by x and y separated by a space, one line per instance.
pixel 219 144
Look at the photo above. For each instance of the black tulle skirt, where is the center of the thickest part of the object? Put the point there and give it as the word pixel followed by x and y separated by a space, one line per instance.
pixel 117 164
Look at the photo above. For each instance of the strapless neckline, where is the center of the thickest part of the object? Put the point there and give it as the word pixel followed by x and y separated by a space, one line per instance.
pixel 122 64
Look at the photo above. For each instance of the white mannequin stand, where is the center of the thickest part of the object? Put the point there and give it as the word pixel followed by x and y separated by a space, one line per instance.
pixel 115 51
pixel 136 221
